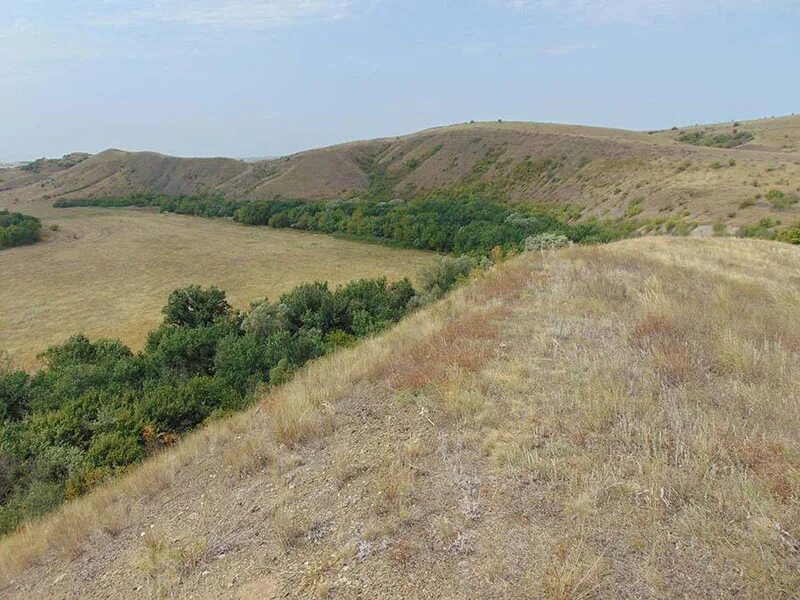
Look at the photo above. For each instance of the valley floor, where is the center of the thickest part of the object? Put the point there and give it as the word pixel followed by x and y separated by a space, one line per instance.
pixel 618 421
pixel 107 273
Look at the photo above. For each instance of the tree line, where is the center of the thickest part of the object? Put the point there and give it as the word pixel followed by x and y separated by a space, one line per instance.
pixel 443 221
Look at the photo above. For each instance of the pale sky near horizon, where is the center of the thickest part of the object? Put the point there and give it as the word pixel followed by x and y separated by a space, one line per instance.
pixel 269 77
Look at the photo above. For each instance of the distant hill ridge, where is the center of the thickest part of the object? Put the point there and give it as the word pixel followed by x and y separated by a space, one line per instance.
pixel 604 170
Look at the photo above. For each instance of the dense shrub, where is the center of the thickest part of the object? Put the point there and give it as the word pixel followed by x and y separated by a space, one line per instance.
pixel 790 235
pixel 716 140
pixel 442 275
pixel 17 229
pixel 445 221
pixel 97 407
pixel 194 306
pixel 546 241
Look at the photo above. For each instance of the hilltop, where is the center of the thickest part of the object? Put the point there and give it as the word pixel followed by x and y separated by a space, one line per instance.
pixel 603 172
pixel 608 421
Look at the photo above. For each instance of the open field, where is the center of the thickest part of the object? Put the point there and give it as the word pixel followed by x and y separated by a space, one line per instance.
pixel 108 273
pixel 599 422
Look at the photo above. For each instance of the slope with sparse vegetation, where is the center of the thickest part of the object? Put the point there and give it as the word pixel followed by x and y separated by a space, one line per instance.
pixel 698 175
pixel 610 421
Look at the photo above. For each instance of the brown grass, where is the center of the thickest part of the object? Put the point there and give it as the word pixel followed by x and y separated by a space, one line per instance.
pixel 581 457
pixel 464 344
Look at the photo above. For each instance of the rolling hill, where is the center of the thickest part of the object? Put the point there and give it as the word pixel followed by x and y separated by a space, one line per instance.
pixel 615 421
pixel 605 172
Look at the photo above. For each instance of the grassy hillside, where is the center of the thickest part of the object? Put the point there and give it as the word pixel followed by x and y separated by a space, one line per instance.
pixel 606 172
pixel 107 273
pixel 614 421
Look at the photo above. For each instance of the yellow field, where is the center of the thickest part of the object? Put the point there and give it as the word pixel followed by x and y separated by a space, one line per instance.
pixel 107 273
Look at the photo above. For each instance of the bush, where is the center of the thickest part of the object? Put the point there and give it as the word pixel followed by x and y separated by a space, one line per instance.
pixel 17 229
pixel 182 351
pixel 195 306
pixel 14 396
pixel 546 241
pixel 308 306
pixel 367 306
pixel 716 140
pixel 280 373
pixel 436 280
pixel 780 200
pixel 790 235
pixel 764 229
pixel 181 408
pixel 265 319
pixel 241 361
pixel 114 449
pixel 747 203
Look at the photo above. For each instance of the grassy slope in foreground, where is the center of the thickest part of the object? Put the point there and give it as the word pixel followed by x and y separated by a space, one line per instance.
pixel 615 421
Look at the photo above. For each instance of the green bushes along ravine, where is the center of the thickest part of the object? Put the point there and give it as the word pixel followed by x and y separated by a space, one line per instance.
pixel 17 229
pixel 96 407
pixel 716 140
pixel 442 222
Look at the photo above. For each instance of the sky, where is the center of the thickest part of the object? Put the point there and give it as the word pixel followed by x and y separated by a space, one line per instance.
pixel 269 77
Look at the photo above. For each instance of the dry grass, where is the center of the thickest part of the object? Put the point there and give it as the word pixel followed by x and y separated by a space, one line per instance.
pixel 394 484
pixel 572 575
pixel 665 409
pixel 166 563
pixel 287 527
pixel 630 432
pixel 107 274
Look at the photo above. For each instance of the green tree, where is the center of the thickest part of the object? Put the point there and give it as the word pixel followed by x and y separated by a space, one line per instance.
pixel 194 306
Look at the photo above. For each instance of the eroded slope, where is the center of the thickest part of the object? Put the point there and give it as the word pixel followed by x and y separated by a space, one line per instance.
pixel 606 172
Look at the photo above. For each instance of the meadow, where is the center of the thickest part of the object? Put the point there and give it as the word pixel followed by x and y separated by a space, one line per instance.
pixel 107 273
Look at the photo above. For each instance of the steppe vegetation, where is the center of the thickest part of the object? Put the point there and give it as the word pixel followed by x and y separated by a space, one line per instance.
pixel 574 421
pixel 65 162
pixel 573 171
pixel 607 421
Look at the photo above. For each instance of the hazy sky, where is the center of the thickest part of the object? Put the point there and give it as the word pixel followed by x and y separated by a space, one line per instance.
pixel 265 77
